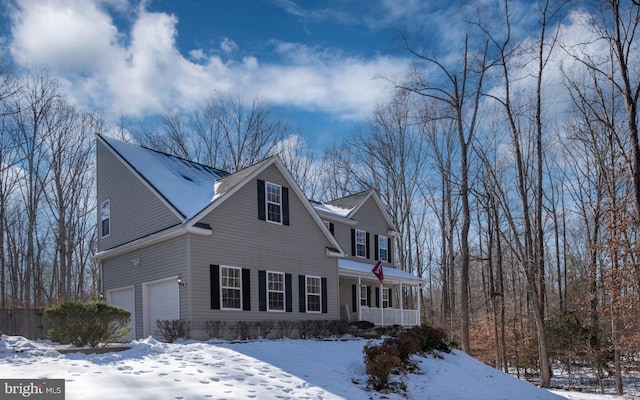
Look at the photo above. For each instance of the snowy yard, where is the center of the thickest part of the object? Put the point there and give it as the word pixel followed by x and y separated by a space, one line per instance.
pixel 282 369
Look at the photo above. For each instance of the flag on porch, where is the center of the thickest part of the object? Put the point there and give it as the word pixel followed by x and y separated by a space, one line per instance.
pixel 377 271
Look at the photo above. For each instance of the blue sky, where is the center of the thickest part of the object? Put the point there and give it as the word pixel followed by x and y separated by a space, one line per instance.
pixel 319 63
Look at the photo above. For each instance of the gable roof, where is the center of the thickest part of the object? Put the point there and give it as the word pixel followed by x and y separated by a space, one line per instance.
pixel 346 207
pixel 193 190
pixel 186 187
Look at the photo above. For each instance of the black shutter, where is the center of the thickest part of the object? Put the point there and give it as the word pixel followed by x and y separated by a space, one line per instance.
pixel 323 291
pixel 375 246
pixel 389 242
pixel 288 293
pixel 354 298
pixel 214 277
pixel 353 242
pixel 368 255
pixel 331 228
pixel 261 201
pixel 390 297
pixel 378 296
pixel 302 293
pixel 285 206
pixel 368 296
pixel 246 289
pixel 262 290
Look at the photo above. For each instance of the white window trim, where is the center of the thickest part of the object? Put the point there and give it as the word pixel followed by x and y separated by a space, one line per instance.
pixel 364 236
pixel 381 240
pixel 363 296
pixel 267 202
pixel 385 297
pixel 319 294
pixel 222 268
pixel 283 291
pixel 102 218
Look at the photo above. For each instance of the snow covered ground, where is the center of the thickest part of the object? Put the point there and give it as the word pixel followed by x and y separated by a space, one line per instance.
pixel 279 369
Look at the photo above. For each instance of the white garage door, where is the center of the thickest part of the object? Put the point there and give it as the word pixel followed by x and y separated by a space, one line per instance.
pixel 125 298
pixel 162 302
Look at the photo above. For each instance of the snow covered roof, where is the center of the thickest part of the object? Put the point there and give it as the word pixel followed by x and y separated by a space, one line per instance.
pixel 392 275
pixel 187 186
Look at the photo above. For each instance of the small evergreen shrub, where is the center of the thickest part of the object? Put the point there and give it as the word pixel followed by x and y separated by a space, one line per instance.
pixel 430 339
pixel 171 330
pixel 87 323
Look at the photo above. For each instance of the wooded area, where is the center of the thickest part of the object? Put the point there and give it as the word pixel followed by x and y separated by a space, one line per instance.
pixel 512 174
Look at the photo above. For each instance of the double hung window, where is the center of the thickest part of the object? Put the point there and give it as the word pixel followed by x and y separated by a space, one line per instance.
pixel 231 285
pixel 361 243
pixel 274 203
pixel 275 291
pixel 314 294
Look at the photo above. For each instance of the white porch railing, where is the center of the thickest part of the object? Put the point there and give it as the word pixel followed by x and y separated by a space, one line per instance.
pixel 390 316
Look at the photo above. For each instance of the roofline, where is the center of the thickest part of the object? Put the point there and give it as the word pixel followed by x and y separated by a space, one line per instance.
pixel 387 277
pixel 376 198
pixel 142 179
pixel 292 184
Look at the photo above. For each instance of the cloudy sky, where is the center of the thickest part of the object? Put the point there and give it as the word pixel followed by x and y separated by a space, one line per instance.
pixel 321 63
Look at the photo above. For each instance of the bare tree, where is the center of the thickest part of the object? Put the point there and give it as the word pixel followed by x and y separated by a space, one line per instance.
pixel 226 133
pixel 617 25
pixel 460 91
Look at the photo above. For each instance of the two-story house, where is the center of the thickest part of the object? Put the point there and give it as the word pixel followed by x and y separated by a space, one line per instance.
pixel 181 240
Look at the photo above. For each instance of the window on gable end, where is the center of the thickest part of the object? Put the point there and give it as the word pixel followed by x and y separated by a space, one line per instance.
pixel 274 202
pixel 105 218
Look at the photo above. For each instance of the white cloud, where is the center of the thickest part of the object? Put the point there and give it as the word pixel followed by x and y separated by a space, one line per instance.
pixel 228 46
pixel 140 71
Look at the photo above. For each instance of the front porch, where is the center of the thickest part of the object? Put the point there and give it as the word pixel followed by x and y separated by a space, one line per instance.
pixel 364 298
pixel 389 316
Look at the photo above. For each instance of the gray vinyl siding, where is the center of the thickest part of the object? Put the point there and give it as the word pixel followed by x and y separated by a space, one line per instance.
pixel 135 211
pixel 158 261
pixel 370 219
pixel 240 239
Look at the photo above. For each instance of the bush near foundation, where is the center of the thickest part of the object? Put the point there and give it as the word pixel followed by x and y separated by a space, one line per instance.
pixel 87 323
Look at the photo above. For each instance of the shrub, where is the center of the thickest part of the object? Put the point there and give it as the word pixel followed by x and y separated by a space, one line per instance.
pixel 92 323
pixel 284 328
pixel 380 361
pixel 244 330
pixel 171 330
pixel 214 328
pixel 430 339
pixel 263 328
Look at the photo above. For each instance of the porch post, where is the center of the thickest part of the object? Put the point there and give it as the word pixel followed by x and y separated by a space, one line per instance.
pixel 359 302
pixel 419 301
pixel 381 306
pixel 401 307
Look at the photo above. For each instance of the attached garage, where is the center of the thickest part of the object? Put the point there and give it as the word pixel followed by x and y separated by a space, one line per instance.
pixel 160 301
pixel 125 298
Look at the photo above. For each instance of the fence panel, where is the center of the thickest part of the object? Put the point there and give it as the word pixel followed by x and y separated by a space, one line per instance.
pixel 31 323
